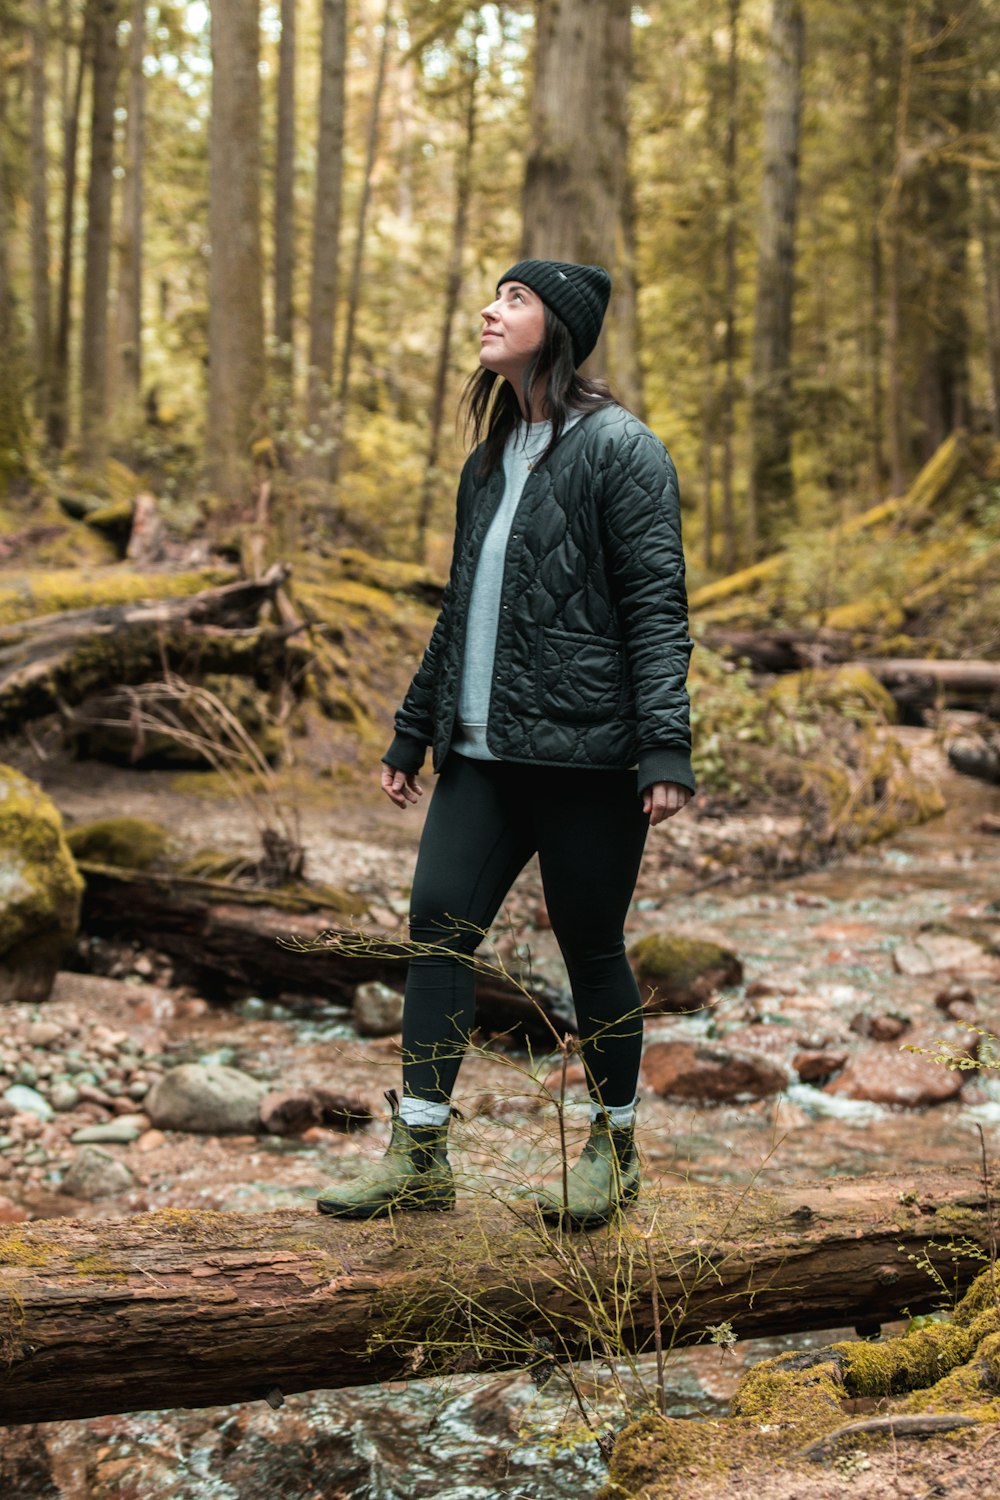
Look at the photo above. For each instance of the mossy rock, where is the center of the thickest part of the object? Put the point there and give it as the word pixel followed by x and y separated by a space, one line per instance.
pixel 850 690
pixel 684 972
pixel 129 843
pixel 40 889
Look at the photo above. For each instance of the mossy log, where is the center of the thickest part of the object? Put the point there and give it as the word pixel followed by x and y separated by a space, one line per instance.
pixel 191 1307
pixel 920 681
pixel 55 662
pixel 240 940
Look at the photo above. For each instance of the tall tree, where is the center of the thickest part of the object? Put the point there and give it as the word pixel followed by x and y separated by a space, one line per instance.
pixel 97 263
pixel 235 306
pixel 325 271
pixel 729 539
pixel 284 188
pixel 126 364
pixel 575 199
pixel 41 288
pixel 771 496
pixel 57 426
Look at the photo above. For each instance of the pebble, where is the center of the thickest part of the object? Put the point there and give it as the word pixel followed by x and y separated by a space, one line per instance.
pixel 63 1096
pixel 43 1033
pixel 28 1099
pixel 119 1131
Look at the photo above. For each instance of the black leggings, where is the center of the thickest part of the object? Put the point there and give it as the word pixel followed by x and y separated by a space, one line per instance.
pixel 485 820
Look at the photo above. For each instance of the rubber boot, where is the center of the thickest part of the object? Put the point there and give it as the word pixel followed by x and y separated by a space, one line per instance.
pixel 604 1180
pixel 414 1175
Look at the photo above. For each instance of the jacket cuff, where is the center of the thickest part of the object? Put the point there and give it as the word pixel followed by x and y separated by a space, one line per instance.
pixel 665 763
pixel 405 754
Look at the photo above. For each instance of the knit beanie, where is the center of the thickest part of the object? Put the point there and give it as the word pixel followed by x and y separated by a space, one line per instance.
pixel 576 294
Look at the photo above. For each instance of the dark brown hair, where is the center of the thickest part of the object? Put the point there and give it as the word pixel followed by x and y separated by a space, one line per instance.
pixel 491 408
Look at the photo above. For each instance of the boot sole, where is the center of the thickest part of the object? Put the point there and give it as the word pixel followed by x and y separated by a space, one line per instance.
pixel 382 1210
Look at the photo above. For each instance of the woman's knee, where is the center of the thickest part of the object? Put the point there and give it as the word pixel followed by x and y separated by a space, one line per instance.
pixel 438 930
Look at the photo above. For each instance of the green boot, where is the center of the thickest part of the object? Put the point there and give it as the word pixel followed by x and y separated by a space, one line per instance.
pixel 604 1180
pixel 413 1174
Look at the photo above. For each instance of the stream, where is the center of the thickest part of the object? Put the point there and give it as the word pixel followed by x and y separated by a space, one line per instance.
pixel 819 950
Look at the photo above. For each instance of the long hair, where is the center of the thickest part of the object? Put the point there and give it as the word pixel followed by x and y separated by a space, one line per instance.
pixel 491 414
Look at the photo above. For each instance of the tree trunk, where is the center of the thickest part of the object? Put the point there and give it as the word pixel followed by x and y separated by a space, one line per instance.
pixel 235 310
pixel 453 288
pixel 771 497
pixel 326 228
pixel 13 418
pixel 284 194
pixel 354 290
pixel 989 236
pixel 729 549
pixel 94 344
pixel 41 290
pixel 57 427
pixel 236 939
pixel 194 1308
pixel 891 219
pixel 873 330
pixel 576 171
pixel 126 368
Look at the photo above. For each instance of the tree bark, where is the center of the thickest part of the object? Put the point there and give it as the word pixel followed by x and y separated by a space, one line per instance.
pixel 729 545
pixel 57 427
pixel 126 366
pixel 194 1308
pixel 41 288
pixel 771 497
pixel 324 279
pixel 97 268
pixel 284 193
pixel 235 312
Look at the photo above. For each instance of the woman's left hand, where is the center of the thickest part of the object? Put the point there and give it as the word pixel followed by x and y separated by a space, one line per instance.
pixel 664 798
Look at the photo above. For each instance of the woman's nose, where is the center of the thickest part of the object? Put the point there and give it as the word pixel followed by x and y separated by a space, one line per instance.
pixel 490 310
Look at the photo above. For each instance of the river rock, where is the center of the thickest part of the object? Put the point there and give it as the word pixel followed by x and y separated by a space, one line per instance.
pixel 23 1098
pixel 938 952
pixel 706 1073
pixel 116 1132
pixel 40 889
pixel 63 1096
pixel 684 972
pixel 94 1173
pixel 341 1111
pixel 288 1112
pixel 209 1098
pixel 882 1026
pixel 43 1033
pixel 908 1079
pixel 818 1066
pixel 11 1212
pixel 378 1009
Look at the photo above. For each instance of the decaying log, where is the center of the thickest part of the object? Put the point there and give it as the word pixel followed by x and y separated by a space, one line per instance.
pixel 786 650
pixel 922 681
pixel 192 1308
pixel 242 940
pixel 56 661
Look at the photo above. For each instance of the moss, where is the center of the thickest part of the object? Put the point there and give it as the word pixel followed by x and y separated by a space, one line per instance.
pixel 874 614
pixel 677 963
pixel 849 690
pixel 972 1389
pixel 885 1368
pixel 19 1249
pixel 806 1391
pixel 39 593
pixel 129 843
pixel 40 887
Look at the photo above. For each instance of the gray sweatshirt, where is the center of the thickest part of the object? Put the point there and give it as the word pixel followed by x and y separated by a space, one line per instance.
pixel 523 448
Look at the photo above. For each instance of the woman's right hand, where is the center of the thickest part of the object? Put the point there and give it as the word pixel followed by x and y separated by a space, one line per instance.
pixel 400 787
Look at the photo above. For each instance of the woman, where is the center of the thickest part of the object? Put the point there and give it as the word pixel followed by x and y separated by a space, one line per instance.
pixel 552 693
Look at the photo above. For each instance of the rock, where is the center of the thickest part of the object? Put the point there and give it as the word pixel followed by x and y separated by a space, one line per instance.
pixel 128 843
pixel 209 1098
pixel 43 1033
pixel 378 1010
pixel 11 1212
pixel 576 1080
pixel 150 1139
pixel 21 1097
pixel 64 1096
pixel 684 972
pixel 118 1132
pixel 341 1111
pixel 285 1112
pixel 886 1026
pixel 40 890
pixel 976 755
pixel 94 1173
pixel 817 1067
pixel 706 1073
pixel 958 1002
pixel 936 952
pixel 908 1079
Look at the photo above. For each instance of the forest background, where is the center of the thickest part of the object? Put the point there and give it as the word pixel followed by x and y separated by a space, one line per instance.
pixel 239 239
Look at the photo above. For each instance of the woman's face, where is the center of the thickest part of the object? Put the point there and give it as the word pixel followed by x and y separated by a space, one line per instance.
pixel 513 328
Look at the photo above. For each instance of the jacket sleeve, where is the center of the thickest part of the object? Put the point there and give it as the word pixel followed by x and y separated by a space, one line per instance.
pixel 414 720
pixel 642 537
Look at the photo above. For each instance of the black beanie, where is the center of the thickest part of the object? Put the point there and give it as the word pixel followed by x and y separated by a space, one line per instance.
pixel 576 294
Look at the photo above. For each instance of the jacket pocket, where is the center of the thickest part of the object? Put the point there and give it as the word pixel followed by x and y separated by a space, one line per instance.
pixel 580 677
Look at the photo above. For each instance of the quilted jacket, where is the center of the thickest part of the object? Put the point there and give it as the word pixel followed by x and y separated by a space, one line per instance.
pixel 592 645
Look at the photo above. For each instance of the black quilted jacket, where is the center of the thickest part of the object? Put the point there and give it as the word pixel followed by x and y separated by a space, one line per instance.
pixel 592 646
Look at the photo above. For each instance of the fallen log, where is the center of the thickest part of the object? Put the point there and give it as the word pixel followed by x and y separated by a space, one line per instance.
pixel 54 662
pixel 240 940
pixel 921 681
pixel 192 1308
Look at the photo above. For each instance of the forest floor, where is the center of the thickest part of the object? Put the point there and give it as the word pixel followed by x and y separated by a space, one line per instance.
pixel 819 950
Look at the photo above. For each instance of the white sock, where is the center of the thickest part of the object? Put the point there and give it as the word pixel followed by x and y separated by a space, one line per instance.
pixel 423 1111
pixel 620 1115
